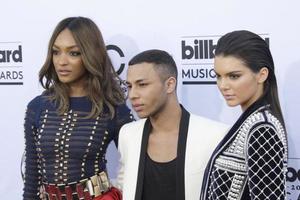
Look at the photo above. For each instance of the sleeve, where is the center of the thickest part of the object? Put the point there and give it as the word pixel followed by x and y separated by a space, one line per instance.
pixel 120 175
pixel 123 116
pixel 266 165
pixel 32 179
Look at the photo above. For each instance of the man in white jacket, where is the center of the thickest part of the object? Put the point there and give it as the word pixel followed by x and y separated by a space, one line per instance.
pixel 164 154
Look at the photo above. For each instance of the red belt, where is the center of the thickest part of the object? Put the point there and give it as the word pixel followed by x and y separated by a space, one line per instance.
pixel 87 189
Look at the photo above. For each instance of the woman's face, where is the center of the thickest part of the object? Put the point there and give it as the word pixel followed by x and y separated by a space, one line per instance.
pixel 237 83
pixel 67 60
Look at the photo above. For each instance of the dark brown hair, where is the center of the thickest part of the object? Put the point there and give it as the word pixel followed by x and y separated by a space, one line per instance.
pixel 255 53
pixel 103 83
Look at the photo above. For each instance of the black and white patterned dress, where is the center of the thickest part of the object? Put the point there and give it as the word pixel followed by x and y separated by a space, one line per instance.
pixel 251 161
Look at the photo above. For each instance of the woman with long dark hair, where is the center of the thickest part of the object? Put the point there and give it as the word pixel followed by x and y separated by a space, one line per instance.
pixel 251 161
pixel 69 126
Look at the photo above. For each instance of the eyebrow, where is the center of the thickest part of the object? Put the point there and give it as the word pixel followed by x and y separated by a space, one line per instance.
pixel 230 72
pixel 234 72
pixel 69 47
pixel 136 81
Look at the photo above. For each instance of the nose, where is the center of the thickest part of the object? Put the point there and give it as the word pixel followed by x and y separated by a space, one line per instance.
pixel 222 84
pixel 132 93
pixel 62 59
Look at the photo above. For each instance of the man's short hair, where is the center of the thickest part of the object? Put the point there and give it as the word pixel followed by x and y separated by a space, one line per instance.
pixel 163 62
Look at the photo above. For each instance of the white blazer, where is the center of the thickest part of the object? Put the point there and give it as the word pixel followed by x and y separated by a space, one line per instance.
pixel 198 137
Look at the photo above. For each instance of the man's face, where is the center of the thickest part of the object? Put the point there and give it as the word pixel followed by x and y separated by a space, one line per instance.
pixel 146 91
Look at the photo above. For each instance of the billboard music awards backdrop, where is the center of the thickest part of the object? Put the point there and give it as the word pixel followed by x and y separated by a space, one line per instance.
pixel 189 30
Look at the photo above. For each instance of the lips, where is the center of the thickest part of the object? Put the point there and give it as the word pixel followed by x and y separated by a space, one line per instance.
pixel 64 72
pixel 228 97
pixel 137 107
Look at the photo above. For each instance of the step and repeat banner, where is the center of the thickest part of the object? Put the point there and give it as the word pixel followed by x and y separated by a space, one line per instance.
pixel 189 30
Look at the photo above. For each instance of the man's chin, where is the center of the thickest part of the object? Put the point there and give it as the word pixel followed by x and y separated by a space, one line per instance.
pixel 142 115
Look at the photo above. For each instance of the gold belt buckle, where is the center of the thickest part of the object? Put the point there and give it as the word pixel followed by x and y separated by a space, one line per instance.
pixel 96 184
pixel 83 182
pixel 90 187
pixel 104 181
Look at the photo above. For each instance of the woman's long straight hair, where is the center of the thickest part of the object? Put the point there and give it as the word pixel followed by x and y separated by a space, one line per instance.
pixel 256 54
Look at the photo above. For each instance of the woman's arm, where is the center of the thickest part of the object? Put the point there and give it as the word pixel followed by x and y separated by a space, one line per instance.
pixel 266 167
pixel 32 179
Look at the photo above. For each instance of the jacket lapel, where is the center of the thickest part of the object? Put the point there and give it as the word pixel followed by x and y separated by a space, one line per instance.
pixel 181 148
pixel 180 163
pixel 140 177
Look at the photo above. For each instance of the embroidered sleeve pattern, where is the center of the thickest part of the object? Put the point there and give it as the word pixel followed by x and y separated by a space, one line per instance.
pixel 32 177
pixel 266 164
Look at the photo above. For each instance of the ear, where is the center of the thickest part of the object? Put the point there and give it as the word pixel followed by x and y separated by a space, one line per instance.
pixel 171 84
pixel 262 75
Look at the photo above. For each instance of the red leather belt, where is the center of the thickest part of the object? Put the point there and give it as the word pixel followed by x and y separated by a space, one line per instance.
pixel 85 189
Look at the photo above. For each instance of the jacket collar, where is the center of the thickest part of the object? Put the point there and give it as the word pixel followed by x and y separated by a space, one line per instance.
pixel 180 161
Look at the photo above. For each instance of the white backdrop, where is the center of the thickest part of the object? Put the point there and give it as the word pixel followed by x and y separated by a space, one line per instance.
pixel 134 26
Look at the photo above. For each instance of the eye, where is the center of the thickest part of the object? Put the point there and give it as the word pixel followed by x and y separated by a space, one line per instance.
pixel 218 76
pixel 55 52
pixel 75 53
pixel 234 76
pixel 143 84
pixel 128 86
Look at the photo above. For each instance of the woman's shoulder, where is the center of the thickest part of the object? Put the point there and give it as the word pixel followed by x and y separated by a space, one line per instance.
pixel 37 101
pixel 122 109
pixel 264 121
pixel 264 115
pixel 258 116
pixel 252 121
pixel 34 108
pixel 123 114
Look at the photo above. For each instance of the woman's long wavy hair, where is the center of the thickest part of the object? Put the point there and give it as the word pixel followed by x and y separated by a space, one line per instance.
pixel 256 54
pixel 103 83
